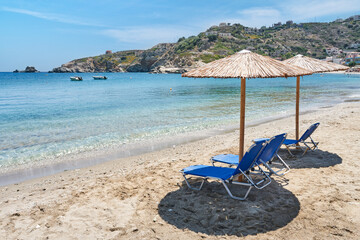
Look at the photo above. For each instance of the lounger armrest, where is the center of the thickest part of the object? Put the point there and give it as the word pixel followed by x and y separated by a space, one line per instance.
pixel 260 140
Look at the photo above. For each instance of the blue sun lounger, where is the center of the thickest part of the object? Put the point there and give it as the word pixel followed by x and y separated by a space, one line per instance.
pixel 228 175
pixel 294 143
pixel 266 157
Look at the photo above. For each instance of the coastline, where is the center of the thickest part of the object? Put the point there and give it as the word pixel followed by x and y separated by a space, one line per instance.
pixel 77 146
pixel 344 72
pixel 25 172
pixel 132 198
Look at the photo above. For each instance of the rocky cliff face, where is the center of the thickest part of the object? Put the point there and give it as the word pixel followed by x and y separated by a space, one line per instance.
pixel 89 65
pixel 159 59
pixel 129 61
pixel 147 58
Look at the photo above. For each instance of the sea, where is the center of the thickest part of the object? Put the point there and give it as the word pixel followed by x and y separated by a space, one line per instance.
pixel 50 124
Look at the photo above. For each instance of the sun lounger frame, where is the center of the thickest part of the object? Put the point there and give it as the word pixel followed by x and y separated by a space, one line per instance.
pixel 280 172
pixel 250 182
pixel 306 143
pixel 267 162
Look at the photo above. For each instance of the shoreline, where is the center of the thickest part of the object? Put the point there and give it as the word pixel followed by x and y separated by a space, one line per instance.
pixel 174 72
pixel 28 172
pixel 344 72
pixel 99 153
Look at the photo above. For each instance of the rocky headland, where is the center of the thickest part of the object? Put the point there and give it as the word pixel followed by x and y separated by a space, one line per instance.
pixel 159 59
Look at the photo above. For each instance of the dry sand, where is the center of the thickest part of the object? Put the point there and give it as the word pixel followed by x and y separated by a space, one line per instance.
pixel 145 197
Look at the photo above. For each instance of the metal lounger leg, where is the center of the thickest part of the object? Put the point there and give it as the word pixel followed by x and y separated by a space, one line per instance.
pixel 277 172
pixel 232 196
pixel 266 177
pixel 256 185
pixel 226 187
pixel 268 167
pixel 212 161
pixel 193 188
pixel 287 147
pixel 286 167
pixel 315 144
pixel 307 148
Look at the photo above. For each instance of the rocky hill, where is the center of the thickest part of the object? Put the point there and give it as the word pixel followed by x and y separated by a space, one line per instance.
pixel 281 41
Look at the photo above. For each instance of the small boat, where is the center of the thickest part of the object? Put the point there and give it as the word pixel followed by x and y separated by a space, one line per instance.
pixel 99 77
pixel 76 78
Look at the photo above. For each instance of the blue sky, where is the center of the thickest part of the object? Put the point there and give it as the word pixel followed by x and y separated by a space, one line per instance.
pixel 46 34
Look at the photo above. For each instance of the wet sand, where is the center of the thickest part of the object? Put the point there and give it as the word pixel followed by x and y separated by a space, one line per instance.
pixel 145 197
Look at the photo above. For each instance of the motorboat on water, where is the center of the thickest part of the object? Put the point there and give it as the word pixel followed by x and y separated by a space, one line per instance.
pixel 99 77
pixel 76 78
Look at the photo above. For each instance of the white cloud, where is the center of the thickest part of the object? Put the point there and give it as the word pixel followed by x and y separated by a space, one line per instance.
pixel 260 12
pixel 309 9
pixel 306 10
pixel 52 17
pixel 256 17
pixel 138 34
pixel 151 35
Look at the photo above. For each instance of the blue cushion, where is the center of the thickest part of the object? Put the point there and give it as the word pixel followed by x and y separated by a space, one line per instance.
pixel 247 161
pixel 210 171
pixel 290 141
pixel 227 158
pixel 309 131
pixel 271 148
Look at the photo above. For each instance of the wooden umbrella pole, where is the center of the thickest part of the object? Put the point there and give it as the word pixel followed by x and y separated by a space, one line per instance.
pixel 242 123
pixel 242 117
pixel 297 107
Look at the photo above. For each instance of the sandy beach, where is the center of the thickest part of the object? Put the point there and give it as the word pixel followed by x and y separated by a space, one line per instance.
pixel 145 196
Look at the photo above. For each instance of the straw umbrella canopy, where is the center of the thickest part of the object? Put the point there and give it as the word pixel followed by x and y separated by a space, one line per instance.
pixel 315 66
pixel 246 64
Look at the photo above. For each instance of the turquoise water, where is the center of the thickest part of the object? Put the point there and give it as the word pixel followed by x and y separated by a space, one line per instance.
pixel 46 118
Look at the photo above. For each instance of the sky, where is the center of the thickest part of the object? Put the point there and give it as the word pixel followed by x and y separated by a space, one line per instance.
pixel 46 33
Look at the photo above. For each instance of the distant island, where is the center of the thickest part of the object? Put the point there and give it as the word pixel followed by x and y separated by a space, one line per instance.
pixel 27 70
pixel 331 41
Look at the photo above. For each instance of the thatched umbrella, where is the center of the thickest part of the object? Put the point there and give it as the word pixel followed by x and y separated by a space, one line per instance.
pixel 315 66
pixel 245 64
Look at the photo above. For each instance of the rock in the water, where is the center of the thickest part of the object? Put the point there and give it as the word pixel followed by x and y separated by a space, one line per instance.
pixel 27 70
pixel 30 69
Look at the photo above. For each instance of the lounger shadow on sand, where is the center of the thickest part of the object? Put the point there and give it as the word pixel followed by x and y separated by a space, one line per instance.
pixel 213 213
pixel 316 159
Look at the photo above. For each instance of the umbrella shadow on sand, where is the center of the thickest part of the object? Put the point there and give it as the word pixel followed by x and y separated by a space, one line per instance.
pixel 312 159
pixel 211 211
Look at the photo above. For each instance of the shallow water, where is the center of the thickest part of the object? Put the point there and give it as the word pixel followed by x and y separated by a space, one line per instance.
pixel 46 118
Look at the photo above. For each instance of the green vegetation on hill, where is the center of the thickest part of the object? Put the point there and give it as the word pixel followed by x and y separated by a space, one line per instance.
pixel 282 42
